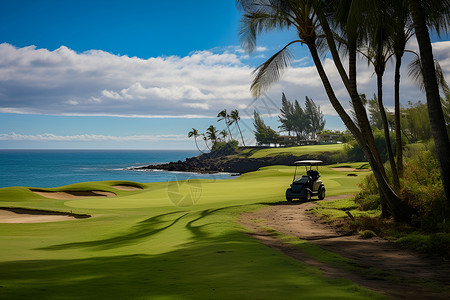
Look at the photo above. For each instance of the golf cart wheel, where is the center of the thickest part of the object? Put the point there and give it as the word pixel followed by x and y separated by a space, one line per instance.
pixel 322 194
pixel 288 199
pixel 308 196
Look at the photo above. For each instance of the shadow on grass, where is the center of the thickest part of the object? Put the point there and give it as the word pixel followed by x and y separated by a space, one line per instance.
pixel 150 227
pixel 143 229
pixel 231 266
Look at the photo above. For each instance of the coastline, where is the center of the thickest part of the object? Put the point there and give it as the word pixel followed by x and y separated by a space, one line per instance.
pixel 211 163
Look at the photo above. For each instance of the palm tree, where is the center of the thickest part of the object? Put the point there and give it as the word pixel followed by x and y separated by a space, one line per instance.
pixel 211 133
pixel 194 133
pixel 235 118
pixel 224 134
pixel 205 139
pixel 402 32
pixel 307 16
pixel 379 52
pixel 223 115
pixel 422 13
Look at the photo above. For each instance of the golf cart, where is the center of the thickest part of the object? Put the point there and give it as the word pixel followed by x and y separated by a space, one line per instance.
pixel 306 186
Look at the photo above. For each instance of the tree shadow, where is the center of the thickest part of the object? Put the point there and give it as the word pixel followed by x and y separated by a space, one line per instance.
pixel 143 229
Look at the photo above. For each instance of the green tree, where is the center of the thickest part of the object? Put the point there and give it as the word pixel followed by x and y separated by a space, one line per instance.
pixel 416 123
pixel 316 118
pixel 286 117
pixel 223 133
pixel 212 134
pixel 264 134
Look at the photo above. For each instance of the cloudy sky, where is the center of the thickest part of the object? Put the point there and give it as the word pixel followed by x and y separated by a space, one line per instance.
pixel 140 74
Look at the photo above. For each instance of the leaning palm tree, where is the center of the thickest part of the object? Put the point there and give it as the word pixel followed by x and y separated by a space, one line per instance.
pixel 223 115
pixel 436 13
pixel 205 139
pixel 194 133
pixel 308 17
pixel 235 118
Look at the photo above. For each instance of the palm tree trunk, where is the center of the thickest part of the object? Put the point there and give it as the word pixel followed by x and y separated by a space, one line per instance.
pixel 228 127
pixel 237 123
pixel 435 112
pixel 360 110
pixel 398 132
pixel 396 206
pixel 395 179
pixel 195 139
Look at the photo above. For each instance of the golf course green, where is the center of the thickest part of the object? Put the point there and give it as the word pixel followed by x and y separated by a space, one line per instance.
pixel 170 240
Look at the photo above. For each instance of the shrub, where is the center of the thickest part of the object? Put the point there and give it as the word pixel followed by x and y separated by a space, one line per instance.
pixel 225 148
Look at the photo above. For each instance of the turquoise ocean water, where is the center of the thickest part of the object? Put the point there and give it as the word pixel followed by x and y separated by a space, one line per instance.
pixel 53 168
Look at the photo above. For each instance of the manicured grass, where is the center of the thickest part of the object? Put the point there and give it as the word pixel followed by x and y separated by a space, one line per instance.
pixel 139 244
pixel 297 150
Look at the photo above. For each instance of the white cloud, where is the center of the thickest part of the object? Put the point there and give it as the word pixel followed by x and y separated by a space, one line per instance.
pixel 90 137
pixel 97 83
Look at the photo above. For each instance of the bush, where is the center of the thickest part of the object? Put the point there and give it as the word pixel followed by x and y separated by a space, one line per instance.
pixel 225 148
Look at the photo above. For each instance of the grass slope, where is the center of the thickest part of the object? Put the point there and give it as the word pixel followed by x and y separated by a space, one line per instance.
pixel 297 150
pixel 139 244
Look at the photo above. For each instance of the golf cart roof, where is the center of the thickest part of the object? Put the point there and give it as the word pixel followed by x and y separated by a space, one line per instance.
pixel 308 162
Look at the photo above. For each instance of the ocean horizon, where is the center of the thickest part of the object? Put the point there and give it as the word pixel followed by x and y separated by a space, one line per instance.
pixel 48 168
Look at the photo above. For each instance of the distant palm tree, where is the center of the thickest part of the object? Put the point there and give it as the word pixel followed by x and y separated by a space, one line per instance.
pixel 223 115
pixel 206 141
pixel 211 133
pixel 234 115
pixel 194 133
pixel 224 134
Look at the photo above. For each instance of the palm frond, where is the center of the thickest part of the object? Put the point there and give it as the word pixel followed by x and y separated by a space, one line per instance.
pixel 253 24
pixel 415 72
pixel 270 71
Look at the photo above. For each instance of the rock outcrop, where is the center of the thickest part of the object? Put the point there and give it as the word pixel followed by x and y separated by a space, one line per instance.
pixel 210 163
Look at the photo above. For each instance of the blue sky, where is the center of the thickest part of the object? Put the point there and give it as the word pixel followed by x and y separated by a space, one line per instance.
pixel 141 74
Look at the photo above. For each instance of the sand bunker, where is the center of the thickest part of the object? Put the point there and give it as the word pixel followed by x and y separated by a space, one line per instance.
pixel 22 215
pixel 127 187
pixel 345 169
pixel 73 194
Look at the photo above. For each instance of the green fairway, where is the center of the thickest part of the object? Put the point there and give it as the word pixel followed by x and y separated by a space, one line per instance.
pixel 176 240
pixel 296 150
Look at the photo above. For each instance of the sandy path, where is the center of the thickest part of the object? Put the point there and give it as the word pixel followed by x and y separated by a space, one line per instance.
pixel 293 219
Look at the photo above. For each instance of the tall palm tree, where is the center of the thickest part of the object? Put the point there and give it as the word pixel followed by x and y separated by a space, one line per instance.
pixel 379 52
pixel 194 133
pixel 211 133
pixel 306 16
pixel 401 33
pixel 235 118
pixel 422 13
pixel 223 115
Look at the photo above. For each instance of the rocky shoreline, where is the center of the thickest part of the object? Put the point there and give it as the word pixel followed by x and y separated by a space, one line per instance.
pixel 211 163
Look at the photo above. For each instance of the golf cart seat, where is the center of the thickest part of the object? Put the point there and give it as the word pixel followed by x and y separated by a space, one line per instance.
pixel 314 174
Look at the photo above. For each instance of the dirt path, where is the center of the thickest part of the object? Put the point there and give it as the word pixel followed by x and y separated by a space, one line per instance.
pixel 293 219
